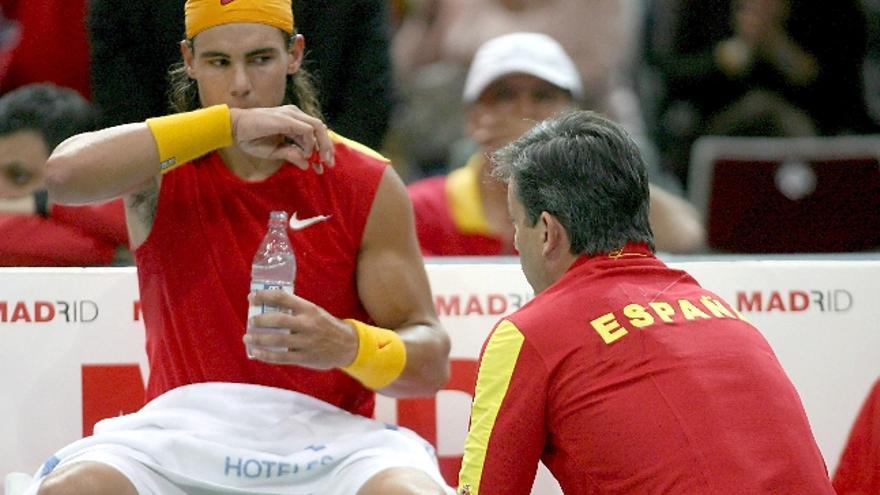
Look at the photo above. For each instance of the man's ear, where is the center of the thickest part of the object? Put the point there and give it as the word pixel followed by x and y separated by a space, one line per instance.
pixel 556 240
pixel 187 54
pixel 296 51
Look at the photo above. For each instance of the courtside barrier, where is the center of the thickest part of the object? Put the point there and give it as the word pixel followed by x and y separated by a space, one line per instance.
pixel 72 346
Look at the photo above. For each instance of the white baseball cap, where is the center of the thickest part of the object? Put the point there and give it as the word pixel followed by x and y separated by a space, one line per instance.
pixel 535 54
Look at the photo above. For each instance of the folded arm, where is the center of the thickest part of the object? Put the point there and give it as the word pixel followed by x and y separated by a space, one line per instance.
pixel 112 162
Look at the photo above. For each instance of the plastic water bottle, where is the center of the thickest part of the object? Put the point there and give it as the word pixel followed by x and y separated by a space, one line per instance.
pixel 274 267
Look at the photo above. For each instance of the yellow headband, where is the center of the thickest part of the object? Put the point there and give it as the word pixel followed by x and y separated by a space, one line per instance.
pixel 205 14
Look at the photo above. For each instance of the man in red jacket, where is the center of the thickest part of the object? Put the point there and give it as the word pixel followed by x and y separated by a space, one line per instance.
pixel 622 375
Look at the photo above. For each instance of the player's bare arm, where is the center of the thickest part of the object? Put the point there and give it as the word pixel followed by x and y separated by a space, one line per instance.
pixel 393 286
pixel 105 164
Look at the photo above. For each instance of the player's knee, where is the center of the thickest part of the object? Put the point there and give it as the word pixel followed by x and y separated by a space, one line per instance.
pixel 401 481
pixel 86 478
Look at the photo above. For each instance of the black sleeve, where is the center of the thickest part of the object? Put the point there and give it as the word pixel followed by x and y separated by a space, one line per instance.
pixel 367 93
pixel 348 52
pixel 127 83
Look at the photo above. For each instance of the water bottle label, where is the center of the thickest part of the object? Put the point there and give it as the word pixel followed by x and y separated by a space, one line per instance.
pixel 264 285
pixel 267 308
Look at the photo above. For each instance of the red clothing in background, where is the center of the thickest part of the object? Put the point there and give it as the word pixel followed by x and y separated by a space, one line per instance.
pixel 104 221
pixel 53 46
pixel 449 215
pixel 69 236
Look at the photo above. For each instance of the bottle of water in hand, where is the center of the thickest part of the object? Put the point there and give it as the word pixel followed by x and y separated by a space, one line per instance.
pixel 274 267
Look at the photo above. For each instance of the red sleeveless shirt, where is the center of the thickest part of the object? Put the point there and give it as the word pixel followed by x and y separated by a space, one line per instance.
pixel 194 269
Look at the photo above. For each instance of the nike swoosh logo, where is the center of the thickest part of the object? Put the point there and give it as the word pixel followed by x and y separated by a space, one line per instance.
pixel 297 224
pixel 226 2
pixel 382 345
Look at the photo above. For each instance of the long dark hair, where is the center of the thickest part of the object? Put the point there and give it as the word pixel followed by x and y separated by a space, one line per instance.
pixel 183 93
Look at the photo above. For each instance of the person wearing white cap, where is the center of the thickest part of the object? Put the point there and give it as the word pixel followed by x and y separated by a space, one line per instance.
pixel 515 81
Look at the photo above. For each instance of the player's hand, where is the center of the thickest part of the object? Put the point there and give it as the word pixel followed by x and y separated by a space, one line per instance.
pixel 283 133
pixel 313 338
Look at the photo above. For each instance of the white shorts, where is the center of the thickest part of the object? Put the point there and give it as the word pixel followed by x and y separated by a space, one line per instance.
pixel 237 438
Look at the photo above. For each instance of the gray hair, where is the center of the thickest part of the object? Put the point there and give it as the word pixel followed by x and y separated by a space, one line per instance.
pixel 586 171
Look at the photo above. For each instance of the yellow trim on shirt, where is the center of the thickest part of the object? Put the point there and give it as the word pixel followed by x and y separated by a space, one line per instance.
pixel 357 146
pixel 493 380
pixel 463 195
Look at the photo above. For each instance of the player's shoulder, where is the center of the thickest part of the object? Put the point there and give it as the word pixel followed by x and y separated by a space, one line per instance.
pixel 350 150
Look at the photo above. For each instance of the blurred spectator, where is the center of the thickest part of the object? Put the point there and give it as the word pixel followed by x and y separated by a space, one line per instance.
pixel 33 120
pixel 52 46
pixel 515 81
pixel 438 39
pixel 755 68
pixel 349 52
pixel 859 470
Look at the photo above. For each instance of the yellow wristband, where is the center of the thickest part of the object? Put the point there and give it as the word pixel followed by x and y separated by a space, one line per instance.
pixel 381 356
pixel 183 137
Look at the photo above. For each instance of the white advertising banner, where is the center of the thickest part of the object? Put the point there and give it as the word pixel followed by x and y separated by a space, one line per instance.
pixel 72 347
